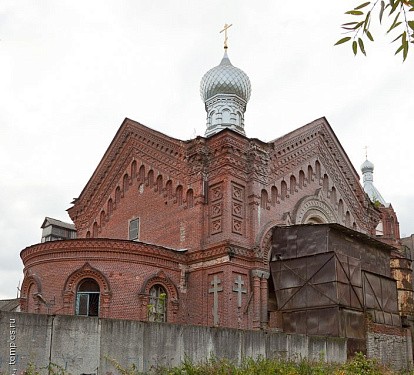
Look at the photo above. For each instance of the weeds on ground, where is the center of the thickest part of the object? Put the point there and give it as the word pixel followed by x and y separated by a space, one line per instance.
pixel 358 365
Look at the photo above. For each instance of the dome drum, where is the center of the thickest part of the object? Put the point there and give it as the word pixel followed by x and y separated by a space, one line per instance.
pixel 225 111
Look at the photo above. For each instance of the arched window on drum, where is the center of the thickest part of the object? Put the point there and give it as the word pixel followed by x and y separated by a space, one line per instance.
pixel 87 298
pixel 157 308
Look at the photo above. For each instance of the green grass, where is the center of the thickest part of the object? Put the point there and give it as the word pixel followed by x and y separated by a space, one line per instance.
pixel 359 365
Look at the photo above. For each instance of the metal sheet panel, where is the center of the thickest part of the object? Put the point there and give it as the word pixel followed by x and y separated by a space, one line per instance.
pixel 353 322
pixel 315 267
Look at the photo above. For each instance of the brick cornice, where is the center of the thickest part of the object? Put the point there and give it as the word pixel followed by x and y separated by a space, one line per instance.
pixel 104 250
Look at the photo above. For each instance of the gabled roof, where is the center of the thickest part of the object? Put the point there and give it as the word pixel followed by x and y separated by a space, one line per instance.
pixel 57 223
pixel 118 141
pixel 318 140
pixel 121 151
pixel 320 125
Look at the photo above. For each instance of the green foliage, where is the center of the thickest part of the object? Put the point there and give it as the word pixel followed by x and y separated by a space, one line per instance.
pixel 31 370
pixel 361 365
pixel 52 369
pixel 131 370
pixel 397 10
pixel 358 365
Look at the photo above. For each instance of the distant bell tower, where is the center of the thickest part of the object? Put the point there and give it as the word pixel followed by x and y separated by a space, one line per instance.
pixel 225 91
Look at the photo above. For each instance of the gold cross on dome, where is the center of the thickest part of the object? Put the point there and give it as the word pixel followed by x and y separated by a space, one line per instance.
pixel 366 152
pixel 225 33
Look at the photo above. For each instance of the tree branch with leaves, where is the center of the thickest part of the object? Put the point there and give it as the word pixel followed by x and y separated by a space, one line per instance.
pixel 396 10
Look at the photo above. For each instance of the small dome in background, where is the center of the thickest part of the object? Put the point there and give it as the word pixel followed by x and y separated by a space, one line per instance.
pixel 367 169
pixel 367 166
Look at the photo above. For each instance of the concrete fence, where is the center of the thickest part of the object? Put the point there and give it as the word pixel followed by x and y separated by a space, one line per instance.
pixel 84 345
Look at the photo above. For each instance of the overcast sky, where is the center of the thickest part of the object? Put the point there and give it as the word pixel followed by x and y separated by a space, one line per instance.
pixel 71 71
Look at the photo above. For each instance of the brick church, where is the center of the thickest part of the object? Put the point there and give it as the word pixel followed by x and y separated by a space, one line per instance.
pixel 182 231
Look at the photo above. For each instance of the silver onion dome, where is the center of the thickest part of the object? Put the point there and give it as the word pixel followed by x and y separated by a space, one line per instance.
pixel 225 79
pixel 367 166
pixel 367 169
pixel 225 91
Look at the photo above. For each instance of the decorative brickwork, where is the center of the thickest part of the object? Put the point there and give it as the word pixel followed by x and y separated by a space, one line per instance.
pixel 206 210
pixel 216 214
pixel 237 210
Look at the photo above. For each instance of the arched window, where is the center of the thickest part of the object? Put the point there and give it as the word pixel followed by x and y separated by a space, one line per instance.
pixel 341 210
pixel 292 184
pixel 238 118
pixel 117 195
pixel 347 219
pixel 142 173
pixel 110 207
pixel 301 179
pixel 392 226
pixel 157 308
pixel 88 234
pixel 379 230
pixel 151 178
pixel 125 183
pixel 95 230
pixel 317 170
pixel 159 184
pixel 179 195
pixel 283 190
pixel 263 199
pixel 190 198
pixel 102 218
pixel 168 188
pixel 87 298
pixel 32 306
pixel 325 184
pixel 210 118
pixel 333 196
pixel 134 170
pixel 273 194
pixel 225 116
pixel 310 174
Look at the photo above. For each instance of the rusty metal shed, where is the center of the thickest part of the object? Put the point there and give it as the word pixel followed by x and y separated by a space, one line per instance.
pixel 327 277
